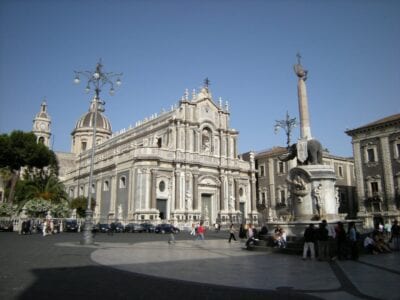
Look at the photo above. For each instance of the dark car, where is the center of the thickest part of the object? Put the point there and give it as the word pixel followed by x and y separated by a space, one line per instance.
pixel 104 228
pixel 6 226
pixel 148 227
pixel 71 226
pixel 166 228
pixel 117 227
pixel 134 227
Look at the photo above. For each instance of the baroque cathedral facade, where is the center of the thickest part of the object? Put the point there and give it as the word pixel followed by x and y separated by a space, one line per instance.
pixel 180 166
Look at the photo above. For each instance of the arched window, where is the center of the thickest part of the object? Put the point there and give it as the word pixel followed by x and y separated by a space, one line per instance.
pixel 122 182
pixel 41 140
pixel 106 186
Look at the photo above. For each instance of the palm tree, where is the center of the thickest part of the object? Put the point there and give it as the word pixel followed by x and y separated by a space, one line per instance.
pixel 41 186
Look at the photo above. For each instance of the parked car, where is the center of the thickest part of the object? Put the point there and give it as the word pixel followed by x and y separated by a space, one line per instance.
pixel 117 227
pixel 148 227
pixel 166 228
pixel 71 225
pixel 104 228
pixel 134 227
pixel 6 226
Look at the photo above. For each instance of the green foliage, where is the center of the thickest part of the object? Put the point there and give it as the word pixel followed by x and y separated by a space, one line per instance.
pixel 37 208
pixel 61 210
pixel 7 210
pixel 80 204
pixel 40 186
pixel 20 149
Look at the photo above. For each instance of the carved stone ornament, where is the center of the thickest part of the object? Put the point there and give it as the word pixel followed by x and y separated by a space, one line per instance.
pixel 298 184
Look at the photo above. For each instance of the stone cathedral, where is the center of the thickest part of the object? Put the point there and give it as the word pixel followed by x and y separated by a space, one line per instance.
pixel 179 166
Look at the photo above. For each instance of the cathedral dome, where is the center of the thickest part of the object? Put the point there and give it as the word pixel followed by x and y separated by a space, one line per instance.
pixel 87 120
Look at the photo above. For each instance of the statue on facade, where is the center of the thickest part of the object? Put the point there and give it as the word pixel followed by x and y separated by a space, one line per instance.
pixel 120 212
pixel 317 193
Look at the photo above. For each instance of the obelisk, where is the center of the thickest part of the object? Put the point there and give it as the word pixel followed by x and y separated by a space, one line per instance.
pixel 305 128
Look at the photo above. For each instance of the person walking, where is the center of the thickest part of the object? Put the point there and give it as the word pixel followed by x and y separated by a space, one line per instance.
pixel 200 232
pixel 395 235
pixel 309 242
pixel 352 236
pixel 242 232
pixel 323 246
pixel 171 239
pixel 341 241
pixel 193 231
pixel 231 233
pixel 250 235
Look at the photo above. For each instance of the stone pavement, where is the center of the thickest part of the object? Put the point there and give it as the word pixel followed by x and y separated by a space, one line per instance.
pixel 147 267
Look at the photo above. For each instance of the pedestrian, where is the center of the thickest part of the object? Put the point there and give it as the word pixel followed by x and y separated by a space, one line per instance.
pixel 395 235
pixel 200 232
pixel 309 242
pixel 250 235
pixel 341 241
pixel 231 233
pixel 331 241
pixel 352 237
pixel 242 232
pixel 193 231
pixel 322 237
pixel 171 239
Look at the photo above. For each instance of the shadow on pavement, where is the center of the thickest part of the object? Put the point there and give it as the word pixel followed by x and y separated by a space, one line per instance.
pixel 98 282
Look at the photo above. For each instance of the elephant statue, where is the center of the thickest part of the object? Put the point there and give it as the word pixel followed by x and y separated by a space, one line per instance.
pixel 314 153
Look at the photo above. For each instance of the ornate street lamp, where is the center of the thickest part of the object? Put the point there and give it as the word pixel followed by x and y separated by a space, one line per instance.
pixel 95 80
pixel 287 125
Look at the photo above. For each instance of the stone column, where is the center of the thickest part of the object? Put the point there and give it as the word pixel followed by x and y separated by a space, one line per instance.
pixel 271 187
pixel 305 128
pixel 222 192
pixel 177 189
pixel 237 194
pixel 388 173
pixel 359 176
pixel 153 189
pixel 253 193
pixel 195 191
pixel 113 193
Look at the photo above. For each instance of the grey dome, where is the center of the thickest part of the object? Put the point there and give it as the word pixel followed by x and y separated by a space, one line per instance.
pixel 87 120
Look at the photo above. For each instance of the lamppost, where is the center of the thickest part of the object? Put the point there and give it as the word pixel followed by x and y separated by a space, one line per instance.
pixel 95 79
pixel 287 125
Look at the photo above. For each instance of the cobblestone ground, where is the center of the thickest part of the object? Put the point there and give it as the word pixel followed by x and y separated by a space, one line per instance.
pixel 57 267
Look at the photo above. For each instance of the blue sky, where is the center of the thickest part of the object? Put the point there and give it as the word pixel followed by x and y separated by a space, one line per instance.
pixel 246 48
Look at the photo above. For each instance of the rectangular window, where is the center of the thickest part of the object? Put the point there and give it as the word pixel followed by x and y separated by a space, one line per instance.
pixel 281 167
pixel 263 197
pixel 371 155
pixel 283 197
pixel 374 188
pixel 262 171
pixel 340 170
pixel 398 151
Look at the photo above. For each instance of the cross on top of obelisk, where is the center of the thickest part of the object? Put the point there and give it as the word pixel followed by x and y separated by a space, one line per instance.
pixel 298 58
pixel 206 83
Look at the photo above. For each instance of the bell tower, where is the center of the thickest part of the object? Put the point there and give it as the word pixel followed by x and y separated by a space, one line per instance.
pixel 41 125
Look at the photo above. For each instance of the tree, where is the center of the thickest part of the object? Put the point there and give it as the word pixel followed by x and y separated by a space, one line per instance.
pixel 40 186
pixel 80 204
pixel 20 149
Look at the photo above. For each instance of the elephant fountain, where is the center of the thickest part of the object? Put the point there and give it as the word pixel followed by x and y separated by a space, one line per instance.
pixel 312 149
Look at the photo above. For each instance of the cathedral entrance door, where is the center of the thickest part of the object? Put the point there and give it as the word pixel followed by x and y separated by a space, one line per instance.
pixel 206 208
pixel 162 208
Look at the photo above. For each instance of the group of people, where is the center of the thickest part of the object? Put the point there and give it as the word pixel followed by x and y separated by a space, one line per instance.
pixel 384 239
pixel 328 242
